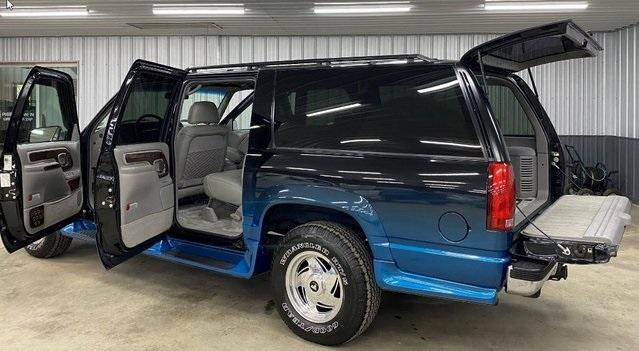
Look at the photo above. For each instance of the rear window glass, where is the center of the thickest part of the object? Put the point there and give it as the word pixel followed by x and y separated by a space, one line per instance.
pixel 394 109
pixel 508 111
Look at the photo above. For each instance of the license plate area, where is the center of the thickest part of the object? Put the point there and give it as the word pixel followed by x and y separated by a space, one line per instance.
pixel 575 251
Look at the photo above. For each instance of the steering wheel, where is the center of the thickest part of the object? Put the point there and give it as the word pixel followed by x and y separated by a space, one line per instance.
pixel 138 126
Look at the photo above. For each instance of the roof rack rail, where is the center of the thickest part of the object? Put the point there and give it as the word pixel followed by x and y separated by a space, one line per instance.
pixel 317 61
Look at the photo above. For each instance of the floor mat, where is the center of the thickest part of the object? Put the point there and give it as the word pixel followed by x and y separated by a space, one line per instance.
pixel 190 216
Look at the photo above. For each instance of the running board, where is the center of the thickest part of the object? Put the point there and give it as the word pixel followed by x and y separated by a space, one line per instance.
pixel 215 259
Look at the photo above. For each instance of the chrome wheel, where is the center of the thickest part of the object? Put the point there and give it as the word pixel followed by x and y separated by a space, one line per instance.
pixel 314 287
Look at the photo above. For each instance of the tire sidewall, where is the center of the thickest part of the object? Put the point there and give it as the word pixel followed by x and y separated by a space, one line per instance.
pixel 347 321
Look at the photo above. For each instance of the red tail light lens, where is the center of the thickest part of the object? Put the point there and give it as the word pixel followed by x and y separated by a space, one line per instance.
pixel 501 196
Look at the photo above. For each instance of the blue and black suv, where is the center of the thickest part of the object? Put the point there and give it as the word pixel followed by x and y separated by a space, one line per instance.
pixel 342 177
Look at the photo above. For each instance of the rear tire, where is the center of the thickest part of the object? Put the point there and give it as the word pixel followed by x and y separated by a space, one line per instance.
pixel 323 264
pixel 50 246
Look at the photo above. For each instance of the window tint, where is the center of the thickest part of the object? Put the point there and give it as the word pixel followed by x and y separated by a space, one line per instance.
pixel 44 118
pixel 399 109
pixel 147 105
pixel 508 111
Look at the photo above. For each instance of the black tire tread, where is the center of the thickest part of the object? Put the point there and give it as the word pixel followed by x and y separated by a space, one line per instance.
pixel 54 245
pixel 359 251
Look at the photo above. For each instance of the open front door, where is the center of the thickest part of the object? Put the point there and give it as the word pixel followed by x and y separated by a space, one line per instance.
pixel 535 46
pixel 41 176
pixel 134 192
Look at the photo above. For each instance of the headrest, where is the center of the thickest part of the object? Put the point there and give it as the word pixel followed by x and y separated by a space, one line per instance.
pixel 204 112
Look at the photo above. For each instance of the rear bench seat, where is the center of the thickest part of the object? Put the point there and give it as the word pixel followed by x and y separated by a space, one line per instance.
pixel 225 186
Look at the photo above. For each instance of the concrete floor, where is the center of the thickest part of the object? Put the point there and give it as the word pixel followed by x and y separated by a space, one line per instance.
pixel 71 302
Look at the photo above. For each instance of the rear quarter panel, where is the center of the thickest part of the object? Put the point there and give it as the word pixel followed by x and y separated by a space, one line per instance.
pixel 412 209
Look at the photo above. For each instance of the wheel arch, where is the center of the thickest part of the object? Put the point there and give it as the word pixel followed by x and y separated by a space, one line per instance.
pixel 292 206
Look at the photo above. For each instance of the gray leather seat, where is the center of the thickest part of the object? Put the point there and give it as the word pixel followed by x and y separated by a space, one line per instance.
pixel 225 186
pixel 200 148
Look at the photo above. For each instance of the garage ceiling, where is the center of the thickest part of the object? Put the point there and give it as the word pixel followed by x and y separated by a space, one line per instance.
pixel 135 17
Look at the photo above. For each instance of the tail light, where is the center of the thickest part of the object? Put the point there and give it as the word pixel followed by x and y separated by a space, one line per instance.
pixel 501 196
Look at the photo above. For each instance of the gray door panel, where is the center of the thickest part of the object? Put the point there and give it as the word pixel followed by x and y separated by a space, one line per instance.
pixel 51 182
pixel 146 195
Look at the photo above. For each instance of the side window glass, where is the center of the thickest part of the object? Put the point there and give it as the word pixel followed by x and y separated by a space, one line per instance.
pixel 400 109
pixel 147 105
pixel 243 120
pixel 44 119
pixel 508 111
pixel 203 93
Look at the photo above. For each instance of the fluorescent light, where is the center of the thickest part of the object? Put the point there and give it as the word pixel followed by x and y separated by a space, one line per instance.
pixel 536 5
pixel 198 9
pixel 52 11
pixel 438 87
pixel 362 7
pixel 334 109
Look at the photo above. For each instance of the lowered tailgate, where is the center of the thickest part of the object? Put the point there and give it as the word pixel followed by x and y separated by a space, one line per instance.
pixel 589 228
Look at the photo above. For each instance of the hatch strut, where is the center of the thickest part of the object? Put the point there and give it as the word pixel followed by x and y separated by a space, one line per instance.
pixel 532 80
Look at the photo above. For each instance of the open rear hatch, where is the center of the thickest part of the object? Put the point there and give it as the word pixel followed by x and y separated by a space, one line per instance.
pixel 531 47
pixel 588 228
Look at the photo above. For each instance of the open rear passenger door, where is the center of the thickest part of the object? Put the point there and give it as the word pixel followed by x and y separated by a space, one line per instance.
pixel 531 47
pixel 134 190
pixel 41 178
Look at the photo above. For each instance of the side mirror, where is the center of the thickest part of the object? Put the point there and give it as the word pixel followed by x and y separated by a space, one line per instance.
pixel 44 134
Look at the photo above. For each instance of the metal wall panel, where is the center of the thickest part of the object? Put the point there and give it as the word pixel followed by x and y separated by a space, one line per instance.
pixel 583 97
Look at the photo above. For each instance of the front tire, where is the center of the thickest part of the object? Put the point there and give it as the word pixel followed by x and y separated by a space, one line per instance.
pixel 323 283
pixel 50 246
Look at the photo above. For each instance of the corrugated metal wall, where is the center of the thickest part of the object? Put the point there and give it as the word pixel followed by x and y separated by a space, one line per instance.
pixel 584 97
pixel 593 97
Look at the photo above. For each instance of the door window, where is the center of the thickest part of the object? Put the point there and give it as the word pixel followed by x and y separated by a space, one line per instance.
pixel 44 119
pixel 12 77
pixel 147 106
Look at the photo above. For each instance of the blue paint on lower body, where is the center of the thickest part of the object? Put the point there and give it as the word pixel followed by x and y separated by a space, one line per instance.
pixel 389 277
pixel 473 267
pixel 220 260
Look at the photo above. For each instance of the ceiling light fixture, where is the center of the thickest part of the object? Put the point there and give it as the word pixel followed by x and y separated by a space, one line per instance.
pixel 46 11
pixel 362 7
pixel 535 5
pixel 198 9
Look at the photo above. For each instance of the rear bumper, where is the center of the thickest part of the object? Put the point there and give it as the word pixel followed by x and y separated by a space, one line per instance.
pixel 527 277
